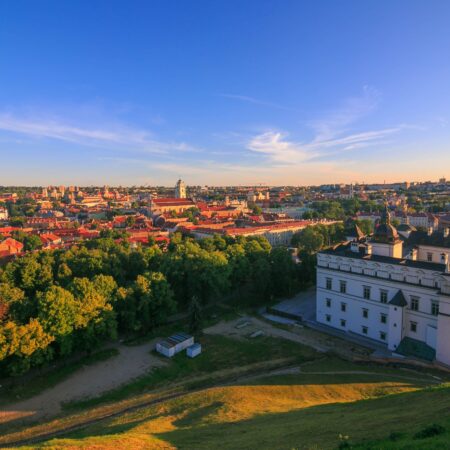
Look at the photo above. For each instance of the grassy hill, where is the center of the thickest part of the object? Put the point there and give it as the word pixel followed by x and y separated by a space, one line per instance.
pixel 369 407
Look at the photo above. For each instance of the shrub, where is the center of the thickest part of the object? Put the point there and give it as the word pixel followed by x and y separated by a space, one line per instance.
pixel 430 431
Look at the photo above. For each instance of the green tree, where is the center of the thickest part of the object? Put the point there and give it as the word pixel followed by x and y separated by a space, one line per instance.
pixel 308 240
pixel 195 316
pixel 57 314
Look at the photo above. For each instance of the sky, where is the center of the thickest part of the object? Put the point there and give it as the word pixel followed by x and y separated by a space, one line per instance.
pixel 223 92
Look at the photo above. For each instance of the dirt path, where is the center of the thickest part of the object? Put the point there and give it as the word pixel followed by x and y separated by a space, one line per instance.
pixel 89 381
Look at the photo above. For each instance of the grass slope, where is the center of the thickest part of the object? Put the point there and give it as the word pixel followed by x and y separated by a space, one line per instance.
pixel 297 411
pixel 219 353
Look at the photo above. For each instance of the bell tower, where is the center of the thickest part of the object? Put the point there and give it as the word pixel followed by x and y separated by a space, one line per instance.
pixel 180 189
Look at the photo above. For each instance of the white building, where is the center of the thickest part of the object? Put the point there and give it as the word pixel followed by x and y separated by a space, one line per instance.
pixel 394 291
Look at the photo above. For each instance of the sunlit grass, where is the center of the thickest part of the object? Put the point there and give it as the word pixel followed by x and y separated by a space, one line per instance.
pixel 289 411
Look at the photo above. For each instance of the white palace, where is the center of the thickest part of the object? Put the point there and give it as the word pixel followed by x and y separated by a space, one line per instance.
pixel 393 287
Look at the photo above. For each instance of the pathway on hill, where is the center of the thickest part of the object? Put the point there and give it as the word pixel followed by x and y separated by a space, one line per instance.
pixel 89 381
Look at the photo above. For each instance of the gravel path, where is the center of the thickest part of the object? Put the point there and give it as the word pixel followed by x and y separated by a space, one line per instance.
pixel 89 381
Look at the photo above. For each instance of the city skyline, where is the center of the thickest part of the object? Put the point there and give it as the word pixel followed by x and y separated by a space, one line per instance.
pixel 230 93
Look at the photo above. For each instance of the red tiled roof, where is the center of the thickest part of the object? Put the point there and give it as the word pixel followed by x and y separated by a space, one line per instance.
pixel 11 245
pixel 169 201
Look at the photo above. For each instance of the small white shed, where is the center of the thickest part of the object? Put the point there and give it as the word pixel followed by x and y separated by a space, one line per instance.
pixel 194 350
pixel 174 344
pixel 166 348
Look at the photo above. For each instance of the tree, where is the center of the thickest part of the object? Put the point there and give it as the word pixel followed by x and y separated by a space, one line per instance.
pixel 130 221
pixel 57 314
pixel 23 345
pixel 282 271
pixel 17 221
pixel 261 277
pixel 308 240
pixel 31 242
pixel 256 210
pixel 195 316
pixel 366 225
pixel 153 300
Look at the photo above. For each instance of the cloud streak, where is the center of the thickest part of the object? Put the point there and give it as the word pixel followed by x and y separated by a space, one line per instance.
pixel 117 136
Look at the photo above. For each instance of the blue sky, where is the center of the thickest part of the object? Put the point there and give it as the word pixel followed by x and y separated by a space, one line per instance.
pixel 224 91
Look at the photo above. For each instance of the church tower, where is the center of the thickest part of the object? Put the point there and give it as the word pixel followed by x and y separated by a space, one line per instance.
pixel 386 241
pixel 180 189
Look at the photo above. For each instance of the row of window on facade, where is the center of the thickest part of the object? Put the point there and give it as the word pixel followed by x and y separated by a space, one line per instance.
pixel 364 329
pixel 364 311
pixel 404 278
pixel 414 306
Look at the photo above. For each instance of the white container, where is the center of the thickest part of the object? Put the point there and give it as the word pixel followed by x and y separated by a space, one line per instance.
pixel 194 350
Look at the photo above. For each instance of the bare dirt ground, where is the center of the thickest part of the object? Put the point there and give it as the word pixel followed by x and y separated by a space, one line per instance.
pixel 90 381
pixel 303 335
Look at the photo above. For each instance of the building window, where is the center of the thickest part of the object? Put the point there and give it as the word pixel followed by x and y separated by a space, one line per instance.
pixel 328 300
pixel 414 304
pixel 383 318
pixel 382 335
pixel 365 313
pixel 434 308
pixel 366 292
pixel 328 283
pixel 343 323
pixel 383 296
pixel 328 318
pixel 364 330
pixel 413 326
pixel 343 307
pixel 343 287
pixel 429 257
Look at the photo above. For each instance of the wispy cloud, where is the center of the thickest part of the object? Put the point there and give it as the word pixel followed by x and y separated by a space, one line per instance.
pixel 333 134
pixel 117 135
pixel 255 101
pixel 278 148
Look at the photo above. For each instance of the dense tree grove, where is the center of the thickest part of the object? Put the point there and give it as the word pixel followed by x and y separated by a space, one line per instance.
pixel 60 301
pixel 309 241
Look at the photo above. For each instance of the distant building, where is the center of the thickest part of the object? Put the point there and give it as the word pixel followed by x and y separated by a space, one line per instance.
pixel 10 247
pixel 3 213
pixel 160 206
